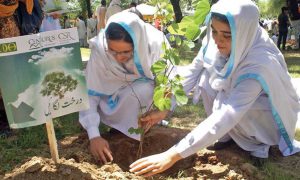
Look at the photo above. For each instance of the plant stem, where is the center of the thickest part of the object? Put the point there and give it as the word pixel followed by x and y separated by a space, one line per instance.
pixel 140 150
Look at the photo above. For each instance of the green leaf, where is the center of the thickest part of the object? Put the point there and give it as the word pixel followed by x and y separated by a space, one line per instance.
pixel 135 131
pixel 164 46
pixel 161 79
pixel 181 28
pixel 131 130
pixel 178 41
pixel 172 38
pixel 175 29
pixel 193 32
pixel 158 67
pixel 202 9
pixel 189 25
pixel 174 58
pixel 190 44
pixel 169 8
pixel 160 101
pixel 177 80
pixel 181 98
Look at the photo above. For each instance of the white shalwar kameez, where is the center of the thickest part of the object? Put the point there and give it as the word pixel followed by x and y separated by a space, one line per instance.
pixel 248 96
pixel 91 27
pixel 113 8
pixel 117 92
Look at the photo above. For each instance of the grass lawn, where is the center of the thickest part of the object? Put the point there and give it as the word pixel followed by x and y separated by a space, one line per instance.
pixel 293 61
pixel 85 53
pixel 21 144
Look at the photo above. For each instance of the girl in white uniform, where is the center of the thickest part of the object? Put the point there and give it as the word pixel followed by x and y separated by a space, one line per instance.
pixel 119 78
pixel 246 89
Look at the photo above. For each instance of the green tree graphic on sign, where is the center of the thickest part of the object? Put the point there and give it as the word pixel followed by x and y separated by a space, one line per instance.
pixel 57 84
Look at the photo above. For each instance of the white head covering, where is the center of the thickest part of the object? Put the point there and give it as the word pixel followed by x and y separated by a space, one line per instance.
pixel 104 75
pixel 253 55
pixel 243 17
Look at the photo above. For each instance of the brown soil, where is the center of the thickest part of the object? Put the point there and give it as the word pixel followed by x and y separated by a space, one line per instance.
pixel 77 163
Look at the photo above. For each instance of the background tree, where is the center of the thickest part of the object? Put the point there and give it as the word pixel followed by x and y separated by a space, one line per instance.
pixel 83 7
pixel 177 10
pixel 57 84
pixel 88 7
pixel 270 8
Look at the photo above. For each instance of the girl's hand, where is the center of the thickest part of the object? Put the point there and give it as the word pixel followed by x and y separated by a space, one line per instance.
pixel 154 164
pixel 153 118
pixel 100 150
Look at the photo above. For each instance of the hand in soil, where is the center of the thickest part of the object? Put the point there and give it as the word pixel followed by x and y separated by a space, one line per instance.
pixel 99 148
pixel 153 118
pixel 154 164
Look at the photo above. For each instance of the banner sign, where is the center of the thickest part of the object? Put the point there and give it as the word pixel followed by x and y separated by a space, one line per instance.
pixel 41 77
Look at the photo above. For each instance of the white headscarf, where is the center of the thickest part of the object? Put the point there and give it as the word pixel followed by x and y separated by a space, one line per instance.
pixel 104 75
pixel 253 56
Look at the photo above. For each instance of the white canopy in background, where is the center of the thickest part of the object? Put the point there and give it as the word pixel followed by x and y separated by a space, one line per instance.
pixel 146 9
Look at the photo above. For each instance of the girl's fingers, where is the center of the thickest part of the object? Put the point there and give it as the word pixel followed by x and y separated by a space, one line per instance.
pixel 151 173
pixel 102 157
pixel 145 170
pixel 137 165
pixel 107 153
pixel 146 118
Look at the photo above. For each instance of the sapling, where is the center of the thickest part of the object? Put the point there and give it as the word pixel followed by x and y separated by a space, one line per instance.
pixel 167 84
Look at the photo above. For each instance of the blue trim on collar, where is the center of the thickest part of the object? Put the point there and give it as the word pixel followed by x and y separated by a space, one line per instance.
pixel 112 103
pixel 275 114
pixel 136 58
pixel 143 79
pixel 95 93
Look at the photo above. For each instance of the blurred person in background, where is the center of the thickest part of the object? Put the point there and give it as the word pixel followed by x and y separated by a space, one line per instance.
pixel 113 8
pixel 91 26
pixel 100 14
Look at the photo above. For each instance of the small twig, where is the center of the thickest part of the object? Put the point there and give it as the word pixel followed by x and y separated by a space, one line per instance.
pixel 135 95
pixel 140 149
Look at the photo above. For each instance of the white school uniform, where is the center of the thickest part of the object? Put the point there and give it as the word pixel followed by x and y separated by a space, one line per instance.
pixel 249 95
pixel 118 91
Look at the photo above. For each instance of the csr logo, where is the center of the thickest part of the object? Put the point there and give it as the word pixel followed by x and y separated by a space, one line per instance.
pixel 8 47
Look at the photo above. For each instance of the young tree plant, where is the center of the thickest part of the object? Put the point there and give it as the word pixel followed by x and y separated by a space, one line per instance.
pixel 167 85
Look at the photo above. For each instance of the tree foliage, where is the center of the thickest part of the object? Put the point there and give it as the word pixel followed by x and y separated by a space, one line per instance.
pixel 189 29
pixel 57 84
pixel 270 8
pixel 189 26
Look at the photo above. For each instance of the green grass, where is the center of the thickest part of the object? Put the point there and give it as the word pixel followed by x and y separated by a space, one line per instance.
pixel 293 62
pixel 188 109
pixel 33 141
pixel 273 172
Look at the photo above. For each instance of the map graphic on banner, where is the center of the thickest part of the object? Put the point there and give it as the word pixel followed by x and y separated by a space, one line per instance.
pixel 41 77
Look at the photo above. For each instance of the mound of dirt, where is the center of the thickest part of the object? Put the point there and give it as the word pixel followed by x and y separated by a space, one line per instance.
pixel 77 163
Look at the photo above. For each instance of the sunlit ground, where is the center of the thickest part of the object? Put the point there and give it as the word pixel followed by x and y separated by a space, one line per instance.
pixel 85 53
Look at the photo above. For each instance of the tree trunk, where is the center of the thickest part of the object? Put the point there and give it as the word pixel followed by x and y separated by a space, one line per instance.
pixel 177 10
pixel 88 6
